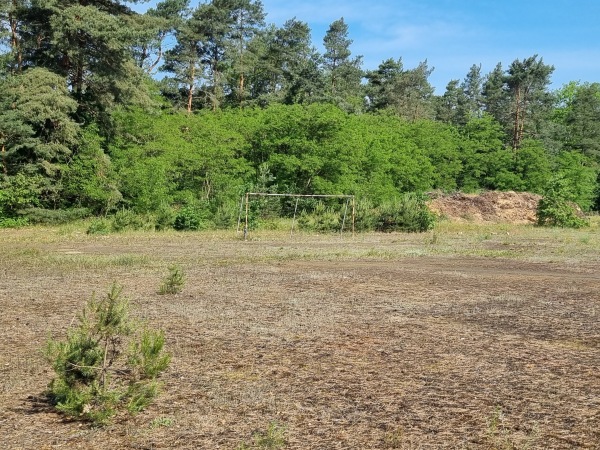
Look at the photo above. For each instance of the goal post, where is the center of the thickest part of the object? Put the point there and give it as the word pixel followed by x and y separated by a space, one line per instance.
pixel 245 208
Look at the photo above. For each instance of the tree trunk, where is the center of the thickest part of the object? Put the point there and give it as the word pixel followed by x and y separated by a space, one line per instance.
pixel 14 39
pixel 517 121
pixel 191 90
pixel 4 168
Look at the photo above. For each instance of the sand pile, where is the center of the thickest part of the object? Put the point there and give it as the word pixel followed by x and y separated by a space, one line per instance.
pixel 488 207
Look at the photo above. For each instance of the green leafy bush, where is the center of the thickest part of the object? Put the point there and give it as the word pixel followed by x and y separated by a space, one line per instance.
pixel 187 219
pixel 19 192
pixel 193 218
pixel 410 213
pixel 97 374
pixel 364 218
pixel 164 217
pixel 557 209
pixel 13 222
pixel 226 216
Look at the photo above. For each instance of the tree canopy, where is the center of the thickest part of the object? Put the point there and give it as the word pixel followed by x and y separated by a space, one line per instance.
pixel 102 108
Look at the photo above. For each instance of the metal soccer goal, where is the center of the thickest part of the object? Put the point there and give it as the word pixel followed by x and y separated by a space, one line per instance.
pixel 349 204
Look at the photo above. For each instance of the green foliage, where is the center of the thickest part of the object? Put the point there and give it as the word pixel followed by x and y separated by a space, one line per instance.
pixel 147 354
pixel 365 218
pixel 126 219
pixel 187 218
pixel 164 217
pixel 89 179
pixel 99 226
pixel 95 377
pixel 53 216
pixel 12 222
pixel 410 213
pixel 19 192
pixel 226 216
pixel 193 218
pixel 84 125
pixel 557 208
pixel 320 219
pixel 272 439
pixel 173 283
pixel 579 174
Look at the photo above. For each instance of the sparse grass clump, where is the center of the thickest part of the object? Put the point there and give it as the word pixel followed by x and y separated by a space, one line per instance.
pixel 273 438
pixel 97 373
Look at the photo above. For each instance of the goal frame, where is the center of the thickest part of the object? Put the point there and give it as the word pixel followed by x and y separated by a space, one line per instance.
pixel 245 201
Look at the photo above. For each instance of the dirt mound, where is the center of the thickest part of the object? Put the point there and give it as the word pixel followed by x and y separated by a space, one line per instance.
pixel 489 207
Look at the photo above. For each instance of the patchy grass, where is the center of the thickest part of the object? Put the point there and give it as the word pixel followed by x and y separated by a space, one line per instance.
pixel 469 336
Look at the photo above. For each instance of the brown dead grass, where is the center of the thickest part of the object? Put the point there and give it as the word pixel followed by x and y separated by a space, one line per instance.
pixel 372 342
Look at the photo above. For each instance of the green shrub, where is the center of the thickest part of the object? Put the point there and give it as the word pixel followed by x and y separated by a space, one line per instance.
pixel 187 219
pixel 13 222
pixel 164 217
pixel 273 438
pixel 364 217
pixel 556 212
pixel 127 219
pixel 19 192
pixel 226 216
pixel 173 283
pixel 410 213
pixel 557 208
pixel 193 218
pixel 321 219
pixel 53 216
pixel 99 226
pixel 96 377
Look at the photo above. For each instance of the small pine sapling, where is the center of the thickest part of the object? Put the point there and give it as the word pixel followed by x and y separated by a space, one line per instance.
pixel 96 376
pixel 172 283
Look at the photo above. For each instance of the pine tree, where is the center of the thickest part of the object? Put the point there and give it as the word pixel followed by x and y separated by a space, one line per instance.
pixel 344 74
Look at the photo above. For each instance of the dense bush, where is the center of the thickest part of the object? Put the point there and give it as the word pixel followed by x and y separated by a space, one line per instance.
pixel 322 219
pixel 12 222
pixel 364 216
pixel 193 218
pixel 127 219
pixel 53 216
pixel 99 226
pixel 557 208
pixel 410 213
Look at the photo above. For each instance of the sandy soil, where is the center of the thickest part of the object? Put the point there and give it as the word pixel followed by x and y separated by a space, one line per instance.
pixel 488 207
pixel 352 352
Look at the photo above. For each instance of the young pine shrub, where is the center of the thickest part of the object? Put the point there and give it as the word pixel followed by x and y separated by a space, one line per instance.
pixel 322 219
pixel 172 283
pixel 409 214
pixel 97 373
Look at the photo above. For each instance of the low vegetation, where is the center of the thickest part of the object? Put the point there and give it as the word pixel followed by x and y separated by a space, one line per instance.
pixel 107 363
pixel 303 341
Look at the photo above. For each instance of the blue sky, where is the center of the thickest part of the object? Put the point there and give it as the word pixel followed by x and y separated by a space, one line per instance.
pixel 455 34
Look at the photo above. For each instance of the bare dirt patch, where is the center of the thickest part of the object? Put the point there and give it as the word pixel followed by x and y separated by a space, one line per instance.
pixel 347 343
pixel 488 207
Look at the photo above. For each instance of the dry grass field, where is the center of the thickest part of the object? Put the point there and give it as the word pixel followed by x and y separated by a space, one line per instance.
pixel 470 336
